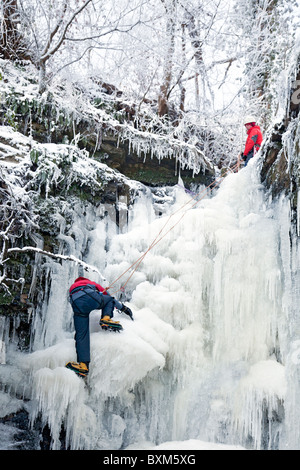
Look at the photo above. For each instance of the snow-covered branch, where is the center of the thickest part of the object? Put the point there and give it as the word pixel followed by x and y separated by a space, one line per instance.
pixel 87 267
pixel 48 51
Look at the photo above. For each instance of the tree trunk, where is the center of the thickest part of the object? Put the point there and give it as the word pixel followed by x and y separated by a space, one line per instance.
pixel 163 106
pixel 42 77
pixel 12 45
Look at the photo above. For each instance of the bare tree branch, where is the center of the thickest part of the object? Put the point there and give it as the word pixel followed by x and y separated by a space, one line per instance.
pixel 47 53
pixel 86 266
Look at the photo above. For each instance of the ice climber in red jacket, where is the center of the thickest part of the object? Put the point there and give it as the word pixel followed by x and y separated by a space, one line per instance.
pixel 85 296
pixel 254 139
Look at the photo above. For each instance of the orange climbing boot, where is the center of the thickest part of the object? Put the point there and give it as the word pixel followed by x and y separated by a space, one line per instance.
pixel 80 368
pixel 107 323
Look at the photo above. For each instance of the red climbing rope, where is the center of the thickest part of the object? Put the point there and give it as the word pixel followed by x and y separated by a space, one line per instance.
pixel 156 240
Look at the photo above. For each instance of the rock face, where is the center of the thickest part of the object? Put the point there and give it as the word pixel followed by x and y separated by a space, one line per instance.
pixel 149 171
pixel 280 167
pixel 105 128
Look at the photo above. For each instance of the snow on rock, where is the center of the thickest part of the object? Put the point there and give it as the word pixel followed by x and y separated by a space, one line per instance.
pixel 7 437
pixel 267 377
pixel 194 444
pixel 51 357
pixel 9 404
pixel 191 444
pixel 120 360
pixel 14 146
pixel 260 394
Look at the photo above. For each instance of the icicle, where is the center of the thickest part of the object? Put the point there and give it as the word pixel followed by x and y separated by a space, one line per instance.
pixel 2 352
pixel 298 213
pixel 291 439
pixel 59 395
pixel 259 398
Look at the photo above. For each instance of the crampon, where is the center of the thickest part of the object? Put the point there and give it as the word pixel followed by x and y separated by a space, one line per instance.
pixel 80 368
pixel 107 323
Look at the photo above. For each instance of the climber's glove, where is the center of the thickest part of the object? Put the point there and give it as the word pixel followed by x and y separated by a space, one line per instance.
pixel 127 311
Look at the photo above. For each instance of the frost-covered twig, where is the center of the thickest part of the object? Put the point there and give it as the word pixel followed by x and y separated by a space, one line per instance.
pixel 86 266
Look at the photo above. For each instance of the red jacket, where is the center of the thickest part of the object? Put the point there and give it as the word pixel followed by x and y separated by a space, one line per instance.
pixel 254 138
pixel 83 281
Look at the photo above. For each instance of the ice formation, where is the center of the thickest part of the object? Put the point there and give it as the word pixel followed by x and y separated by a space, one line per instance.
pixel 210 356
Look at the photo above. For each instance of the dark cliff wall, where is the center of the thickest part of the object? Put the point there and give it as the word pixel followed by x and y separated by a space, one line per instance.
pixel 149 171
pixel 281 154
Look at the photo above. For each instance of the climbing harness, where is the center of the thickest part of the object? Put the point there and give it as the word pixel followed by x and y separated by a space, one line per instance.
pixel 160 236
pixel 85 290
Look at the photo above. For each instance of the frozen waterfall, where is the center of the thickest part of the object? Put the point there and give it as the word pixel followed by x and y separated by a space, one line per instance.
pixel 213 354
